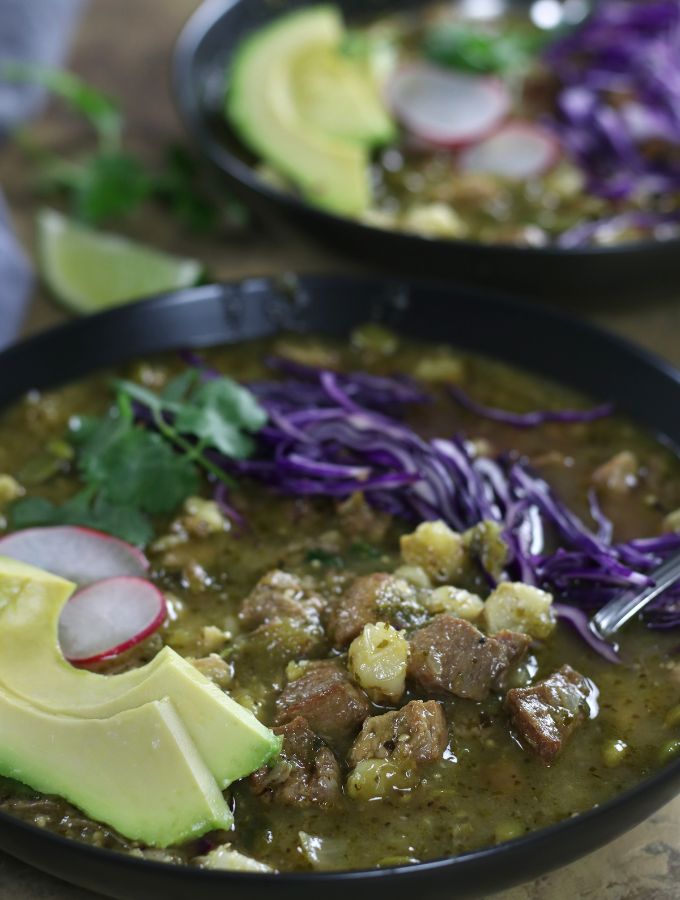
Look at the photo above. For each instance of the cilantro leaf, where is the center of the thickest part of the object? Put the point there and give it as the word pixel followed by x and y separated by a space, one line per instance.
pixel 177 388
pixel 199 203
pixel 93 437
pixel 129 474
pixel 142 469
pixel 218 413
pixel 124 522
pixel 112 184
pixel 154 402
pixel 131 466
pixel 473 49
pixel 106 186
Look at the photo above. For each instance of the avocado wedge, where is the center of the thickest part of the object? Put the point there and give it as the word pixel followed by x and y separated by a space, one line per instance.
pixel 228 737
pixel 137 771
pixel 307 110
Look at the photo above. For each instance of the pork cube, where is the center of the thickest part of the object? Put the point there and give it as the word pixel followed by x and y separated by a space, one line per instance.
pixel 305 774
pixel 373 598
pixel 450 655
pixel 618 475
pixel 416 733
pixel 277 595
pixel 325 696
pixel 546 714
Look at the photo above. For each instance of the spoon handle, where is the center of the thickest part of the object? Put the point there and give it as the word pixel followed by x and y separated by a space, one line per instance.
pixel 622 607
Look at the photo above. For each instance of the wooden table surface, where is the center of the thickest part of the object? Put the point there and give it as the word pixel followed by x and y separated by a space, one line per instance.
pixel 124 47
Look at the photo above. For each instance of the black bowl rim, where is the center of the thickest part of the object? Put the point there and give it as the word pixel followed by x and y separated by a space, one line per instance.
pixel 536 839
pixel 201 22
pixel 489 854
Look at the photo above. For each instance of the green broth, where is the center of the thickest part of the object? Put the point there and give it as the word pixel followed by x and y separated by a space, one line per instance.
pixel 487 788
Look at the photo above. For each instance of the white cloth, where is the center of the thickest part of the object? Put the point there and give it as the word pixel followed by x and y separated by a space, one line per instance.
pixel 35 31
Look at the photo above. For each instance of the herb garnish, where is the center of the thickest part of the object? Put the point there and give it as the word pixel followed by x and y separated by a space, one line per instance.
pixel 473 49
pixel 111 183
pixel 132 472
pixel 219 413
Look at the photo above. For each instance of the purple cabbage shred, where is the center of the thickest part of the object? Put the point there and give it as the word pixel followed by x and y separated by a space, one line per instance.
pixel 329 434
pixel 618 105
pixel 529 419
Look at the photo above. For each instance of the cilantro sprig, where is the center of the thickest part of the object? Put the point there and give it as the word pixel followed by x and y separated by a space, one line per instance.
pixel 111 183
pixel 132 472
pixel 219 414
pixel 101 111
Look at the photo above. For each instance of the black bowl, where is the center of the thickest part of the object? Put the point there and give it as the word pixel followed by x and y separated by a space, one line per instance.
pixel 202 58
pixel 550 343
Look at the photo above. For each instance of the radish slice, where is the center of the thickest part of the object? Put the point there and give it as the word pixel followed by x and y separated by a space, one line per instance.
pixel 78 554
pixel 518 150
pixel 450 109
pixel 108 617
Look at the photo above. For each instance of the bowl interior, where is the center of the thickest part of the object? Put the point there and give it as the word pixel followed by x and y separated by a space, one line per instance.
pixel 543 341
pixel 204 51
pixel 215 32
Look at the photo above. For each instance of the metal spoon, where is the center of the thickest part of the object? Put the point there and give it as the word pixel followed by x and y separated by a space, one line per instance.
pixel 621 608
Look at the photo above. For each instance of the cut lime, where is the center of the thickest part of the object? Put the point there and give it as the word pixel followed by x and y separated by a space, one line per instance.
pixel 89 270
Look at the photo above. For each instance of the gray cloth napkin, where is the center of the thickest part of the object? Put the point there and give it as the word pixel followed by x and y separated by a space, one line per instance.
pixel 37 31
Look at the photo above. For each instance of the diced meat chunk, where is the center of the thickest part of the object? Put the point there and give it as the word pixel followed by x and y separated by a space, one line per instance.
pixel 305 774
pixel 618 475
pixel 450 655
pixel 277 595
pixel 546 714
pixel 514 644
pixel 325 696
pixel 416 733
pixel 358 607
pixel 372 598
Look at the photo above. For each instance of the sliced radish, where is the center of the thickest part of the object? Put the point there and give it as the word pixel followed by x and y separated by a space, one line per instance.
pixel 450 109
pixel 517 150
pixel 78 554
pixel 108 617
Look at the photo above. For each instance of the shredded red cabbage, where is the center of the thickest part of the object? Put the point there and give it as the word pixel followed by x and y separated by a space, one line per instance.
pixel 579 621
pixel 328 435
pixel 619 98
pixel 645 224
pixel 529 419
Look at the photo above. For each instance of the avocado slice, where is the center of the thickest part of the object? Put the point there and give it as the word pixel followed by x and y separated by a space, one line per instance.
pixel 137 771
pixel 338 95
pixel 232 742
pixel 308 111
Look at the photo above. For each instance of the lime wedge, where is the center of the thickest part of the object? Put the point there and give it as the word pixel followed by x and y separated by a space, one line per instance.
pixel 89 270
